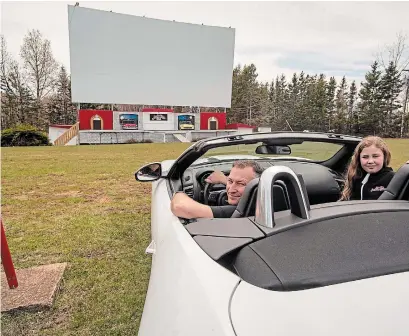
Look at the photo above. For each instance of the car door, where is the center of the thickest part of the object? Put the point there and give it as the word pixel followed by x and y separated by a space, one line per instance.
pixel 188 292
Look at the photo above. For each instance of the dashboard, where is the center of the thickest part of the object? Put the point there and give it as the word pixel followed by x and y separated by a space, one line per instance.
pixel 322 183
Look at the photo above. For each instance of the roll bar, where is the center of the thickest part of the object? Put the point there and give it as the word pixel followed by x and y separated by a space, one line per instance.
pixel 299 202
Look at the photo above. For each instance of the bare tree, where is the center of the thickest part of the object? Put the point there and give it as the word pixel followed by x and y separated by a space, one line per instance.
pixel 5 86
pixel 39 63
pixel 4 64
pixel 16 99
pixel 41 73
pixel 396 52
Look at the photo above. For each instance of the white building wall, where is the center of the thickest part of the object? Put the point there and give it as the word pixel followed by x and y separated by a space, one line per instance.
pixel 55 132
pixel 244 130
pixel 264 129
pixel 73 141
pixel 157 125
pixel 118 137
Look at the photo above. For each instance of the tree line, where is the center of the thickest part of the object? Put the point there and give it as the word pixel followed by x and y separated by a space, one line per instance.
pixel 37 91
pixel 317 103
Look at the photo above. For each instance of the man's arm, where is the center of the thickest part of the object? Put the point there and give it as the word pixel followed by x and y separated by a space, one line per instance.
pixel 183 206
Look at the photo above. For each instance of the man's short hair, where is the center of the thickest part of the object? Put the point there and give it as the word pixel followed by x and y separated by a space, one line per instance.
pixel 258 170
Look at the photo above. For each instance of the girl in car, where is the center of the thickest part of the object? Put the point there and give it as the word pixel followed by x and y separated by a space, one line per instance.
pixel 368 174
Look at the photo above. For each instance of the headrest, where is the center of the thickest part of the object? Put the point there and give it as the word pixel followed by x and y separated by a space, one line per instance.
pixel 399 185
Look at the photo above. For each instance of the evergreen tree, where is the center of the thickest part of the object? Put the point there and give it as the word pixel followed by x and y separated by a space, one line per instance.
pixel 309 118
pixel 250 94
pixel 264 110
pixel 245 94
pixel 234 114
pixel 319 101
pixel 60 107
pixel 391 87
pixel 280 104
pixel 352 118
pixel 341 106
pixel 370 105
pixel 330 110
pixel 292 115
pixel 302 106
pixel 271 97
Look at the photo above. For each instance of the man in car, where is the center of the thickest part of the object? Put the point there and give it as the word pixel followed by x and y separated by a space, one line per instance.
pixel 241 174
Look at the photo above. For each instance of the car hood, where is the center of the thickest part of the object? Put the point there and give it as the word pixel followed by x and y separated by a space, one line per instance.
pixel 374 306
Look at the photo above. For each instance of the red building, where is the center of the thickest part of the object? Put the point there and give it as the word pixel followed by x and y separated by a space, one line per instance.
pixel 96 119
pixel 212 121
pixel 152 119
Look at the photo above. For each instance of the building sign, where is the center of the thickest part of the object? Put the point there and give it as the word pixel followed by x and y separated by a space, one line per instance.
pixel 158 117
pixel 128 121
pixel 186 122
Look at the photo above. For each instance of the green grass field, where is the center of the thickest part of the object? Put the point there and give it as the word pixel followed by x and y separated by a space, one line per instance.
pixel 82 205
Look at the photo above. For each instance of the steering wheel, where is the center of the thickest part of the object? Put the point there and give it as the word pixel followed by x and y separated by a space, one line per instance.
pixel 218 198
pixel 208 187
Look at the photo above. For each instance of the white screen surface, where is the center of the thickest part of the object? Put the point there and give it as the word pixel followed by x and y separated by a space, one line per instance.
pixel 124 59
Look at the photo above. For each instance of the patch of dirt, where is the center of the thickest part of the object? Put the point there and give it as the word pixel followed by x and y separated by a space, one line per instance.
pixel 96 196
pixel 103 200
pixel 32 322
pixel 96 254
pixel 58 318
pixel 56 174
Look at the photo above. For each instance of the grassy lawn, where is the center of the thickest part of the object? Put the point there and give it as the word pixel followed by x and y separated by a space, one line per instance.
pixel 82 205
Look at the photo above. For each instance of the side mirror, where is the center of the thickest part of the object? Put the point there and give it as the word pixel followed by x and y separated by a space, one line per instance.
pixel 270 149
pixel 149 173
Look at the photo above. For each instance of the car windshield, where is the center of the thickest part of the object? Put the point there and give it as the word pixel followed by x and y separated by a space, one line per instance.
pixel 309 150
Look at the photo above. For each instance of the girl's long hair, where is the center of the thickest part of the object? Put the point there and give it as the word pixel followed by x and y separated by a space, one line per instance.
pixel 355 170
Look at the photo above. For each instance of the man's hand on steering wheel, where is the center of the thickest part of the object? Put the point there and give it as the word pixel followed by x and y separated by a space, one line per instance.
pixel 216 177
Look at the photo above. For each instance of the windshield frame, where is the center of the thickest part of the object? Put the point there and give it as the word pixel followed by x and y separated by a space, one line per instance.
pixel 198 149
pixel 228 155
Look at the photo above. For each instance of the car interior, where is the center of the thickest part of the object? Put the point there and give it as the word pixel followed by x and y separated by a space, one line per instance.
pixel 289 232
pixel 323 183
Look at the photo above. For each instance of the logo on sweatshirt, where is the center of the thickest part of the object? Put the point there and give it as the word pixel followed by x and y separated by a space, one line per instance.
pixel 380 188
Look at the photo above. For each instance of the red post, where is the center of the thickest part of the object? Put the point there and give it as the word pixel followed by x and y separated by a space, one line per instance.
pixel 7 261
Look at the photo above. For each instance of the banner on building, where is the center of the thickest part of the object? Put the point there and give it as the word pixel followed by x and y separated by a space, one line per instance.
pixel 186 122
pixel 128 121
pixel 158 117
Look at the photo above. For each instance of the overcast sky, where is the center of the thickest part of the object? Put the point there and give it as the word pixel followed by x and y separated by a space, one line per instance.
pixel 336 38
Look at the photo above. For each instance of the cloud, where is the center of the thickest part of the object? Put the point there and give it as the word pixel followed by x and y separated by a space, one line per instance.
pixel 336 38
pixel 318 62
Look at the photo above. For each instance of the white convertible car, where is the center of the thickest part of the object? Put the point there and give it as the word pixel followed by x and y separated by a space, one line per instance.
pixel 291 260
